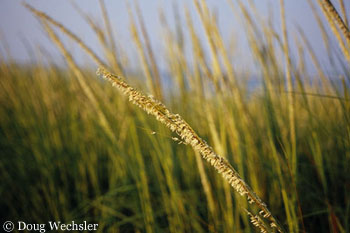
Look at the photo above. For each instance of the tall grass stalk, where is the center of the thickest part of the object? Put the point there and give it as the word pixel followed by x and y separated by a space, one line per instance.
pixel 333 13
pixel 176 124
pixel 334 21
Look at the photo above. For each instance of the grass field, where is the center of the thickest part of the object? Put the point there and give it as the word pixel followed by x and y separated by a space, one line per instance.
pixel 73 148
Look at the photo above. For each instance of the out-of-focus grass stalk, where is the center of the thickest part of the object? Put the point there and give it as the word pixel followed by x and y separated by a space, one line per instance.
pixel 264 60
pixel 343 11
pixel 110 49
pixel 207 24
pixel 102 38
pixel 199 57
pixel 85 87
pixel 142 183
pixel 142 54
pixel 175 57
pixel 316 62
pixel 290 89
pixel 206 187
pixel 322 27
pixel 71 35
pixel 292 153
pixel 155 71
pixel 229 84
pixel 220 147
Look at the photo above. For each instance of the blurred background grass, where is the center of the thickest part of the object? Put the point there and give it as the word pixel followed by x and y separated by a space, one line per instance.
pixel 72 148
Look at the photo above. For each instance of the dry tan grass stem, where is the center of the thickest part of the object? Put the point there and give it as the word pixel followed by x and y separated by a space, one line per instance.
pixel 111 52
pixel 71 35
pixel 335 20
pixel 321 26
pixel 155 71
pixel 205 19
pixel 329 7
pixel 141 52
pixel 176 124
pixel 85 87
pixel 198 49
pixel 108 48
pixel 206 186
pixel 343 11
pixel 44 19
pixel 289 87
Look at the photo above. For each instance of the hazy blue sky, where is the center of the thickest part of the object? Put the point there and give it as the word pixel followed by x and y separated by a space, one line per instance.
pixel 17 23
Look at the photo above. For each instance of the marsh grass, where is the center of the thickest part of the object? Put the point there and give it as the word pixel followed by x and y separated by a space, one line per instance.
pixel 73 149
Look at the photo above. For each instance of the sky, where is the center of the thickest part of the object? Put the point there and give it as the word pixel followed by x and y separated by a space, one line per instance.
pixel 18 27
